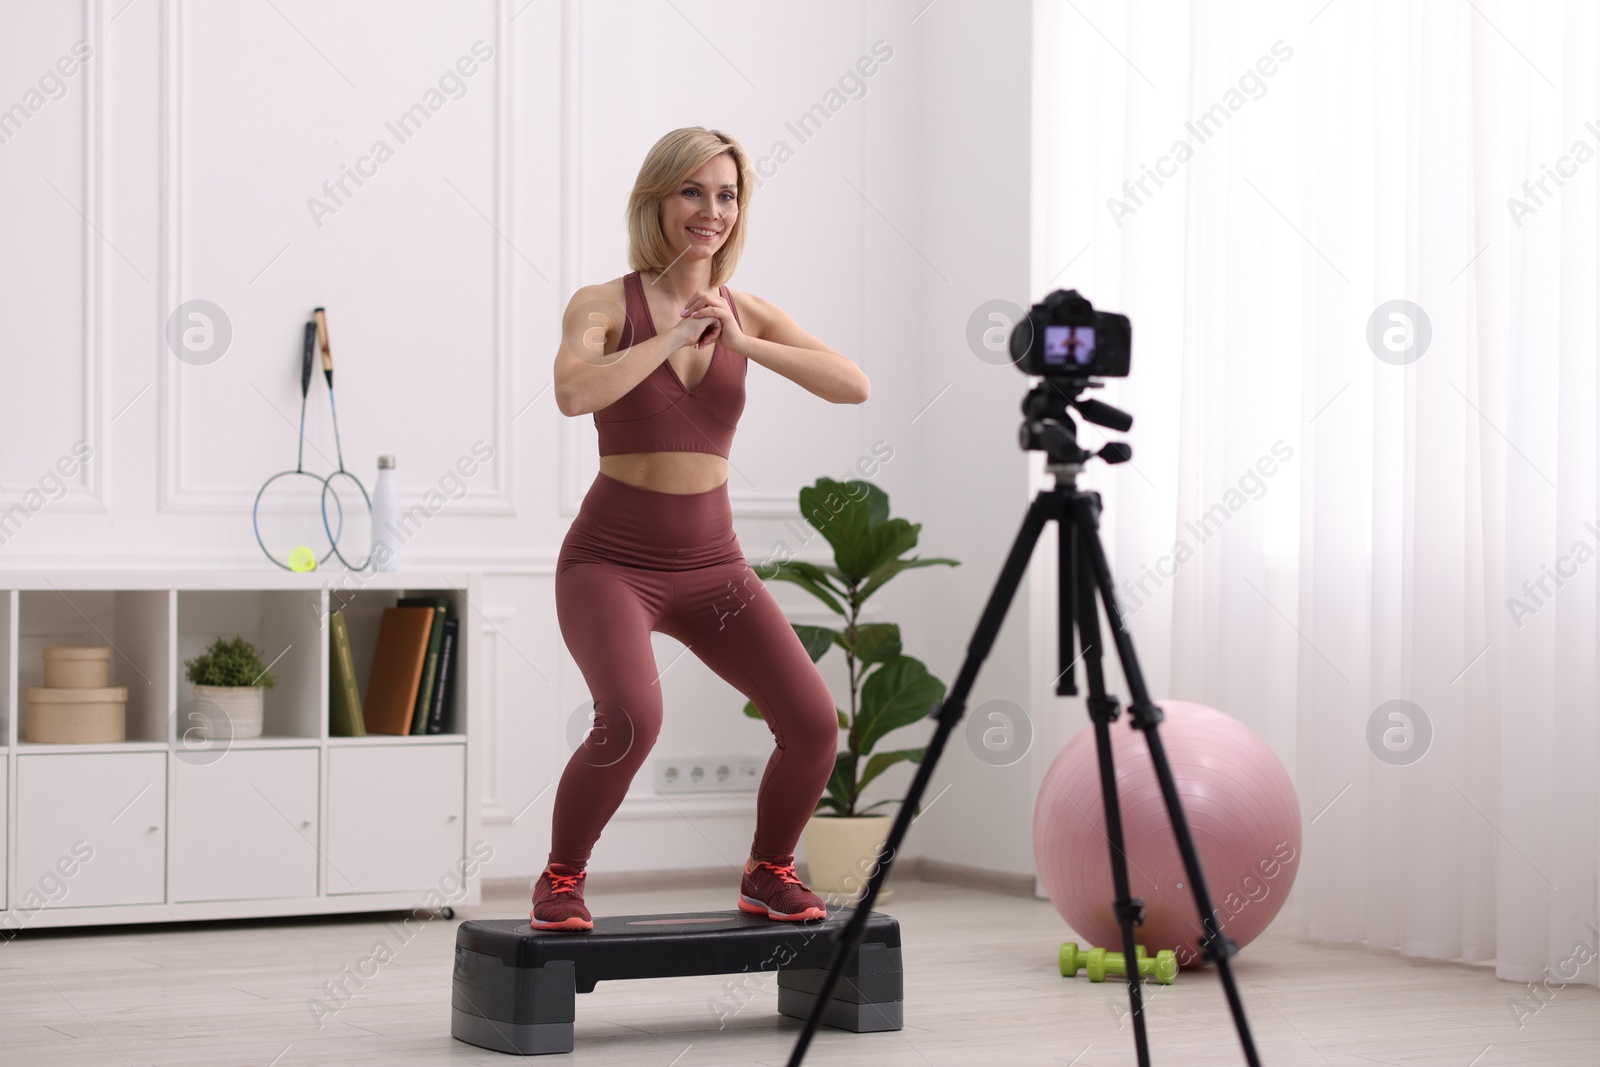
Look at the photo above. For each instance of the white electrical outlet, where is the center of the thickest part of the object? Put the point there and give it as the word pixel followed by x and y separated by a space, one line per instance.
pixel 707 774
pixel 748 772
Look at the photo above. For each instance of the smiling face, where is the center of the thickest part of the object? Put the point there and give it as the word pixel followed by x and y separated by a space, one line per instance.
pixel 699 215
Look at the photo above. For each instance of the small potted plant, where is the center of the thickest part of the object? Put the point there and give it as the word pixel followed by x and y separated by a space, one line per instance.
pixel 230 681
pixel 888 689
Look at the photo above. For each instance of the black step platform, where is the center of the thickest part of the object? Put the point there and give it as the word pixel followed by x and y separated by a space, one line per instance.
pixel 515 987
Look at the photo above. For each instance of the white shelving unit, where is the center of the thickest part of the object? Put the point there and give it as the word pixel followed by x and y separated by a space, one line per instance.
pixel 162 827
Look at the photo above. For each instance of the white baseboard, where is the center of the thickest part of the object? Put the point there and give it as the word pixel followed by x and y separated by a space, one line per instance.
pixel 915 868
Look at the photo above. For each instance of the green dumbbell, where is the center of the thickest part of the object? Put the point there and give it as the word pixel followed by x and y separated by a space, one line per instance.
pixel 1097 963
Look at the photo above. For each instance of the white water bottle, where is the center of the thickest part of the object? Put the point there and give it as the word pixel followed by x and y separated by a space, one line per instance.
pixel 386 518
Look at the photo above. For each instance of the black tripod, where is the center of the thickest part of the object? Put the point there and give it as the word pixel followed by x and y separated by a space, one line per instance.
pixel 1083 571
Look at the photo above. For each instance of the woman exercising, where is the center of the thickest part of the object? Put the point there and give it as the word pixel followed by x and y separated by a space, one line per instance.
pixel 653 546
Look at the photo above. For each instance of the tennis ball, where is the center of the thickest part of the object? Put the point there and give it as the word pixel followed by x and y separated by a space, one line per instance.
pixel 301 558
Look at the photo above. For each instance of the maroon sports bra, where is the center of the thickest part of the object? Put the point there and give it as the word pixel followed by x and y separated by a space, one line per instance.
pixel 660 414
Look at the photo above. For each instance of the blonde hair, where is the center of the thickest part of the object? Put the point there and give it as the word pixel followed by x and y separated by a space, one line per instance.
pixel 671 160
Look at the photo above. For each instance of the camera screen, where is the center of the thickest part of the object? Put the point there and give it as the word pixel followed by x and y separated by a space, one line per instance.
pixel 1069 345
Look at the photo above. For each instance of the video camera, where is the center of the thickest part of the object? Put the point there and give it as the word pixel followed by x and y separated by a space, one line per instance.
pixel 1063 336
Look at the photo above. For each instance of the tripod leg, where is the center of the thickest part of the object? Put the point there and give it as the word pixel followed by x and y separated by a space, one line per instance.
pixel 1103 710
pixel 1048 504
pixel 1214 945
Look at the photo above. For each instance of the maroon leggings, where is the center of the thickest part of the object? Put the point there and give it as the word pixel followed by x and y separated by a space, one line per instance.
pixel 637 560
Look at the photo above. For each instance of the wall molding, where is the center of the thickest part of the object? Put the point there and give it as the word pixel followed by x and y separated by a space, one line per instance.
pixel 505 268
pixel 577 462
pixel 174 494
pixel 489 562
pixel 491 631
pixel 96 424
pixel 570 472
pixel 638 807
pixel 89 493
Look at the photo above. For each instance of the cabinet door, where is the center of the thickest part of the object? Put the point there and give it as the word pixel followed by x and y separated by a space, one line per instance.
pixel 394 816
pixel 106 811
pixel 245 826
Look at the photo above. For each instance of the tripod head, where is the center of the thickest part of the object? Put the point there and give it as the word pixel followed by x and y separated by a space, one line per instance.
pixel 1048 426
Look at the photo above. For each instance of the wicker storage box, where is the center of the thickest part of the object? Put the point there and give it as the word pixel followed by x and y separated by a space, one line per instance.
pixel 77 716
pixel 77 668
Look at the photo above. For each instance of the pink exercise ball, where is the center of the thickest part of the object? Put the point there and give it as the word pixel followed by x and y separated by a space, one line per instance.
pixel 1241 808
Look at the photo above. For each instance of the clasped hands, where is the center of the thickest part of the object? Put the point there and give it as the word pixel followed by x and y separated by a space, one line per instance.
pixel 708 320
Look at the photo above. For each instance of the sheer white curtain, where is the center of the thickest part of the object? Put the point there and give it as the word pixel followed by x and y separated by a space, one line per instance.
pixel 1254 183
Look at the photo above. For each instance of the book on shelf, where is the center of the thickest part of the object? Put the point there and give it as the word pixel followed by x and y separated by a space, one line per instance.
pixel 430 666
pixel 344 698
pixel 443 702
pixel 403 635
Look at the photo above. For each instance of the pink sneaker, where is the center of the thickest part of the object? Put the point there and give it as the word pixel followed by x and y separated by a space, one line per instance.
pixel 773 890
pixel 558 900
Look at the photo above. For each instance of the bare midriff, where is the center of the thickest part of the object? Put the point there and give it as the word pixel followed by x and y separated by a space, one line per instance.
pixel 667 472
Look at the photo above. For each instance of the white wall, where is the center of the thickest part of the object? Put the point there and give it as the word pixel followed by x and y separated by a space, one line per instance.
pixel 976 176
pixel 178 162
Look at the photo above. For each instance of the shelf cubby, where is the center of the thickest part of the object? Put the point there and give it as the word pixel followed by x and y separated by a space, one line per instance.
pixel 363 612
pixel 8 666
pixel 285 626
pixel 135 623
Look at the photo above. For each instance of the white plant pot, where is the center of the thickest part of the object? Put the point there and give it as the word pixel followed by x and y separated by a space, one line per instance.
pixel 841 855
pixel 225 712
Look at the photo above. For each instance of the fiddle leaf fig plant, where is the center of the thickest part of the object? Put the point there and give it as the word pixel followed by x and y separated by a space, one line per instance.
pixel 888 689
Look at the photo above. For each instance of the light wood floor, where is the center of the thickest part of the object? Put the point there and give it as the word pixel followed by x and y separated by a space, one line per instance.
pixel 981 987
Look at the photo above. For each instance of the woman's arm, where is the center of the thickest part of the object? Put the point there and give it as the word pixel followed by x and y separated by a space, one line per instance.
pixel 588 375
pixel 773 339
